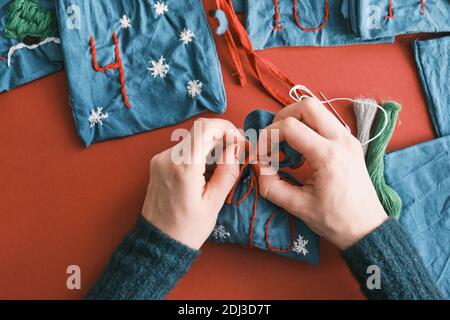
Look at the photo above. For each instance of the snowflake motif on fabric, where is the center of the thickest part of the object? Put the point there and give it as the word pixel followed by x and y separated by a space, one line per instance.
pixel 194 88
pixel 220 233
pixel 125 22
pixel 161 8
pixel 300 246
pixel 187 36
pixel 97 117
pixel 159 68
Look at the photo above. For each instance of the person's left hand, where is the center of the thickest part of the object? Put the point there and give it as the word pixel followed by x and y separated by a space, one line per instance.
pixel 182 200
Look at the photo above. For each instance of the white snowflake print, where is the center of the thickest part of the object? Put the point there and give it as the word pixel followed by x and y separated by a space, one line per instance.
pixel 125 22
pixel 97 117
pixel 300 246
pixel 159 68
pixel 220 233
pixel 187 36
pixel 161 8
pixel 194 88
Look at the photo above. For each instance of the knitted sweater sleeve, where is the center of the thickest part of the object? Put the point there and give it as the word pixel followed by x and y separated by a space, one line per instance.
pixel 402 274
pixel 146 265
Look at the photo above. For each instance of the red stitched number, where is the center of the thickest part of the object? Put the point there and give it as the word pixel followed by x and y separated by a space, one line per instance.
pixel 320 27
pixel 112 66
pixel 276 17
pixel 292 223
pixel 391 9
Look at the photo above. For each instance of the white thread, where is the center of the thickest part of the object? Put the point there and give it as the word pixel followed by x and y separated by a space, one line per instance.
pixel 365 114
pixel 298 98
pixel 31 47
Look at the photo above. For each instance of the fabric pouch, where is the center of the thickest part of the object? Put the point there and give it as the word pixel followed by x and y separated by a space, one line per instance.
pixel 277 23
pixel 421 176
pixel 433 64
pixel 250 220
pixel 371 19
pixel 29 43
pixel 135 66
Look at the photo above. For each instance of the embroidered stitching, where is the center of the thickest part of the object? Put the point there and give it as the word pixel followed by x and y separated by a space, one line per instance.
pixel 276 16
pixel 19 46
pixel 320 27
pixel 26 18
pixel 194 88
pixel 112 66
pixel 220 233
pixel 187 36
pixel 161 8
pixel 125 22
pixel 97 117
pixel 267 239
pixel 391 9
pixel 159 68
pixel 300 246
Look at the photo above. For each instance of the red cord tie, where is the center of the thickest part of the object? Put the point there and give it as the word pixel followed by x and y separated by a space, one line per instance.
pixel 253 187
pixel 112 66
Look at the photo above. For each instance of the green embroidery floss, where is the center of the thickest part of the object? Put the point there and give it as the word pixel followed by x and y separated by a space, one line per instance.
pixel 26 19
pixel 390 200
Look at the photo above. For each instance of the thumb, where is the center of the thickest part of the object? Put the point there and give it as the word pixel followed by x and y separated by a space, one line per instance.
pixel 292 198
pixel 224 176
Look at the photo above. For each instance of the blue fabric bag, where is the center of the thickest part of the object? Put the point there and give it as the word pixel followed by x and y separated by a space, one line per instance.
pixel 27 52
pixel 421 176
pixel 269 227
pixel 135 66
pixel 272 23
pixel 433 64
pixel 371 19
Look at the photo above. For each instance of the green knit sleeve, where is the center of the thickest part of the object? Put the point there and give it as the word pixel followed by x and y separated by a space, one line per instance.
pixel 387 266
pixel 146 265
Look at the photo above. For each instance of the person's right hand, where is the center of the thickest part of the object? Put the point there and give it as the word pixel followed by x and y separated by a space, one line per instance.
pixel 339 202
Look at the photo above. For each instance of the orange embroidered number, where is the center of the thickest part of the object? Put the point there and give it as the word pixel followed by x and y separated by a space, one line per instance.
pixel 320 27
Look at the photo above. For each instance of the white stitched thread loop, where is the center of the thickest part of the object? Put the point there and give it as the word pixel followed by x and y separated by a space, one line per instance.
pixel 296 95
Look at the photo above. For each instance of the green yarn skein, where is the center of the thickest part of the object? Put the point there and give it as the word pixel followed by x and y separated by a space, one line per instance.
pixel 390 200
pixel 26 18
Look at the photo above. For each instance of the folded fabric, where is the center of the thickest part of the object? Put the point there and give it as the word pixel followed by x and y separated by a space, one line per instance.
pixel 135 66
pixel 29 43
pixel 421 176
pixel 371 19
pixel 433 64
pixel 250 220
pixel 276 23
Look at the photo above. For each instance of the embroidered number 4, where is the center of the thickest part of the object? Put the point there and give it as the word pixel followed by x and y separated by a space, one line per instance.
pixel 113 66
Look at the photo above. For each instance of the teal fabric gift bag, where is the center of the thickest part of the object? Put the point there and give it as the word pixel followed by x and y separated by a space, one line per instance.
pixel 371 19
pixel 29 42
pixel 135 66
pixel 252 221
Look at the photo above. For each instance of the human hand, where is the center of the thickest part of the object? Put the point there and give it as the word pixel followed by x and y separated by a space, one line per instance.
pixel 339 201
pixel 181 201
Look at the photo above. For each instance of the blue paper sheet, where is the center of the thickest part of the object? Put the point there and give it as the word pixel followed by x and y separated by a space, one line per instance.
pixel 371 19
pixel 25 60
pixel 286 235
pixel 170 67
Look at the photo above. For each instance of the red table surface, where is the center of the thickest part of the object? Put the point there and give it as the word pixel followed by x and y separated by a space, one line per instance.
pixel 62 204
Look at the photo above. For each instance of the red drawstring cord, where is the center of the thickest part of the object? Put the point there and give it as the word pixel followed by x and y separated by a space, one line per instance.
pixel 423 7
pixel 254 59
pixel 112 66
pixel 321 26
